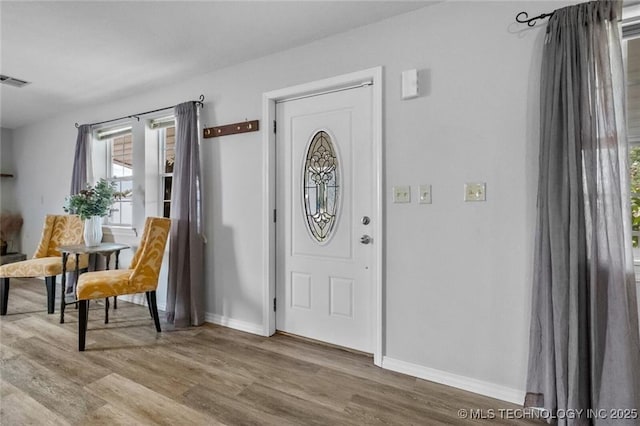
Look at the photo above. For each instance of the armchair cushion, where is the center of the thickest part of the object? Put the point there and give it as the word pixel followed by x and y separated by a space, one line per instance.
pixel 101 284
pixel 40 267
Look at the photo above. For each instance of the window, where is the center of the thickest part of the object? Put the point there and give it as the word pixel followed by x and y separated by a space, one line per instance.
pixel 321 186
pixel 633 124
pixel 119 170
pixel 166 147
pixel 167 150
pixel 138 157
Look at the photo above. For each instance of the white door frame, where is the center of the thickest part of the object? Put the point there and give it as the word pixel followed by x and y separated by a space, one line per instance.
pixel 269 194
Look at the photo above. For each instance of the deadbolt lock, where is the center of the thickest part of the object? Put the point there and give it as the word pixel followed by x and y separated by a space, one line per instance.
pixel 365 239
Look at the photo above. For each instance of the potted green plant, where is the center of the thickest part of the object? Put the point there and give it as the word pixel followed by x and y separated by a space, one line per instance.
pixel 92 204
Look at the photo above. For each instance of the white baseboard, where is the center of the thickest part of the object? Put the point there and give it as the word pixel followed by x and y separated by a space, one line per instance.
pixel 461 382
pixel 140 299
pixel 248 327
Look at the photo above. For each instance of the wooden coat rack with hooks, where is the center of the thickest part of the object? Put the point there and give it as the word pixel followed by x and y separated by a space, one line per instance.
pixel 232 129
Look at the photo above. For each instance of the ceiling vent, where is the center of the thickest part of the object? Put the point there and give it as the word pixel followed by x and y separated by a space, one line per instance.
pixel 12 81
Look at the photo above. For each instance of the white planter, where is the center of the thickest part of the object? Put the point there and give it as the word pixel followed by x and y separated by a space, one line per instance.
pixel 93 231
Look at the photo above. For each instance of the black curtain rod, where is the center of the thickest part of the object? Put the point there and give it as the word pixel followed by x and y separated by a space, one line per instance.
pixel 531 21
pixel 200 102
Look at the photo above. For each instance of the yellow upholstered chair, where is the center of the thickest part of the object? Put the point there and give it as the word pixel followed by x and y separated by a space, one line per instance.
pixel 59 230
pixel 141 277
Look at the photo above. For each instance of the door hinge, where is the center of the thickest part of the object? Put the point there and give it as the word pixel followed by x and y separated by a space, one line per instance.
pixel 274 304
pixel 274 215
pixel 274 126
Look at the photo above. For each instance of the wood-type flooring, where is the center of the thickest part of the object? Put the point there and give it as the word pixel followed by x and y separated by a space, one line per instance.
pixel 208 375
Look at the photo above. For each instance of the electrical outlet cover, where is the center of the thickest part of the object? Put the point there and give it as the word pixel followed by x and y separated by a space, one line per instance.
pixel 475 192
pixel 402 194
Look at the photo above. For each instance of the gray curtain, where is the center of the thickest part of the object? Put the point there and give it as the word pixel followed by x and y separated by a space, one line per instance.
pixel 79 178
pixel 79 171
pixel 185 290
pixel 584 342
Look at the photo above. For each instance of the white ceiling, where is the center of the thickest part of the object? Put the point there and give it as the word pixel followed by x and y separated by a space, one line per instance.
pixel 77 54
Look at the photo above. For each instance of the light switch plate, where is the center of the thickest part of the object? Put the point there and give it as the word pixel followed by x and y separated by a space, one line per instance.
pixel 402 194
pixel 475 192
pixel 409 84
pixel 425 194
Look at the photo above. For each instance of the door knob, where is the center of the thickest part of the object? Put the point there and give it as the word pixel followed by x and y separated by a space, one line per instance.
pixel 365 239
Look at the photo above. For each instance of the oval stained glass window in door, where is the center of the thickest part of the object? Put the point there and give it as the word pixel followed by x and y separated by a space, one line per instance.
pixel 321 186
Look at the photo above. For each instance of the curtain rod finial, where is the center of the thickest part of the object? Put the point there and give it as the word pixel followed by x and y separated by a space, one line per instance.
pixel 531 21
pixel 77 126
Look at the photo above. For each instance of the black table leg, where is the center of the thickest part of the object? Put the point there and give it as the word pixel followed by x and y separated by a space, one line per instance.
pixel 107 260
pixel 75 283
pixel 115 298
pixel 63 290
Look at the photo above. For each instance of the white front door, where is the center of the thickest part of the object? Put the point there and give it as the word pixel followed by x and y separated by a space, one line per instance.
pixel 325 225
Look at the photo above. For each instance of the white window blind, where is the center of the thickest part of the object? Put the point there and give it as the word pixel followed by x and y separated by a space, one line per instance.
pixel 164 122
pixel 113 132
pixel 633 90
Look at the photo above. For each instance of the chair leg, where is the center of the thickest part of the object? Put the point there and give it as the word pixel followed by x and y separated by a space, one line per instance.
pixel 106 310
pixel 51 293
pixel 4 295
pixel 149 304
pixel 154 310
pixel 83 318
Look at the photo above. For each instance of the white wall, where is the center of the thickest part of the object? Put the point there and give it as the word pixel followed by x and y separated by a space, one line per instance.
pixel 457 274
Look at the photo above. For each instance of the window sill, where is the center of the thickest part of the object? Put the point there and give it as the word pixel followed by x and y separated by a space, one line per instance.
pixel 120 234
pixel 120 230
